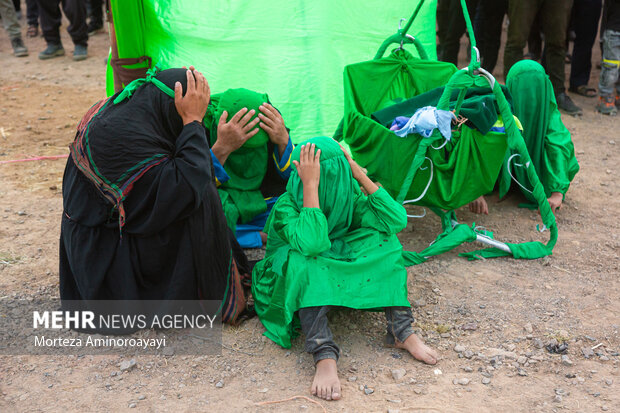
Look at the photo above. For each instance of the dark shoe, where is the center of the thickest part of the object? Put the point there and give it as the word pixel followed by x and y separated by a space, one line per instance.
pixel 566 105
pixel 607 105
pixel 52 51
pixel 80 52
pixel 19 49
pixel 94 28
pixel 617 101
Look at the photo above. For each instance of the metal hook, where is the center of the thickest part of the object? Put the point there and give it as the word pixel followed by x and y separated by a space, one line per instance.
pixel 403 40
pixel 400 22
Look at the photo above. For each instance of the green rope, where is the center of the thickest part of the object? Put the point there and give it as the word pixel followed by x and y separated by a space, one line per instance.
pixel 150 78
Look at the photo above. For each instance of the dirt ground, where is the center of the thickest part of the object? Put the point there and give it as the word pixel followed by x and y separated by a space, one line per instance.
pixel 489 319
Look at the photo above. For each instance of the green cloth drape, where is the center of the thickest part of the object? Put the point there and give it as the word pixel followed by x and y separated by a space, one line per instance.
pixel 344 254
pixel 548 141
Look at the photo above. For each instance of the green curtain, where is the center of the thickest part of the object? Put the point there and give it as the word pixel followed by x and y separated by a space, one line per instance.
pixel 294 50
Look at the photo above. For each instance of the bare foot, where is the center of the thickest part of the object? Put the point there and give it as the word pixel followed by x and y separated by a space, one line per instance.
pixel 326 384
pixel 418 349
pixel 479 206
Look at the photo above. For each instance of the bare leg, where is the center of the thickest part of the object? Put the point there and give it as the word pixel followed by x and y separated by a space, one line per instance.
pixel 420 351
pixel 326 384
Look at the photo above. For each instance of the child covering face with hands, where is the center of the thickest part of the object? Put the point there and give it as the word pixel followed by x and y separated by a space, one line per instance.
pixel 329 245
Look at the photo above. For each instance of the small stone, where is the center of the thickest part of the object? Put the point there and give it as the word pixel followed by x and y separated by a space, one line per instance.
pixel 467 369
pixel 394 400
pixel 482 306
pixel 265 390
pixel 521 372
pixel 419 303
pixel 437 372
pixel 587 352
pixel 22 213
pixel 398 374
pixel 393 411
pixel 609 382
pixel 528 328
pixel 352 378
pixel 612 142
pixel 368 390
pixel 538 343
pixel 566 361
pixel 168 351
pixel 557 398
pixel 469 326
pixel 486 380
pixel 141 397
pixel 128 365
pixel 604 408
pixel 603 358
pixel 462 381
pixel 132 405
pixel 468 354
pixel 219 384
pixel 459 348
pixel 522 360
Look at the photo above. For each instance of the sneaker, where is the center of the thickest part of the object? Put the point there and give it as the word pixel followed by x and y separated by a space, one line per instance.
pixel 617 101
pixel 19 49
pixel 607 105
pixel 80 52
pixel 52 51
pixel 566 105
pixel 94 28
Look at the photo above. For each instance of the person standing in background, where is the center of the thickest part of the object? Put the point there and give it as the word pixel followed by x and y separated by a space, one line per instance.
pixel 585 17
pixel 75 10
pixel 608 87
pixel 554 16
pixel 11 25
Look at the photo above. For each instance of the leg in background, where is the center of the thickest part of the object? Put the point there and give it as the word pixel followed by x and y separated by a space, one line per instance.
pixel 521 15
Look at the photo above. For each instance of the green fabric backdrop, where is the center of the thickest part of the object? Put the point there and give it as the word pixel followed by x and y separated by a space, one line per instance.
pixel 294 50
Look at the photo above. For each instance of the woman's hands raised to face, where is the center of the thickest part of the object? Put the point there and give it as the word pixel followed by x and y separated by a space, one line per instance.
pixel 309 171
pixel 193 106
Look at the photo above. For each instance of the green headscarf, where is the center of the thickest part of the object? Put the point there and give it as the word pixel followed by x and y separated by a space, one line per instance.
pixel 246 167
pixel 547 139
pixel 337 188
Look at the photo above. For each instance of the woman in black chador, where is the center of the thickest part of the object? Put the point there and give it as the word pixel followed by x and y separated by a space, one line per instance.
pixel 142 218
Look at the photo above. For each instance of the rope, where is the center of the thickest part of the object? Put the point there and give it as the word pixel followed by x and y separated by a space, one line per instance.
pixel 38 158
pixel 289 399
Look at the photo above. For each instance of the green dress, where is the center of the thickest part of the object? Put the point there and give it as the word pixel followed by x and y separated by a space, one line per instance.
pixel 345 253
pixel 547 139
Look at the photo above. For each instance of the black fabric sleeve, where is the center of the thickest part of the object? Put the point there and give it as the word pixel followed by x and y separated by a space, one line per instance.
pixel 173 190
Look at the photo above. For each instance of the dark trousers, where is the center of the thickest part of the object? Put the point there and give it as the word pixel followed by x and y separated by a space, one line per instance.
pixel 320 341
pixel 488 30
pixel 75 10
pixel 451 26
pixel 554 16
pixel 32 12
pixel 95 11
pixel 586 14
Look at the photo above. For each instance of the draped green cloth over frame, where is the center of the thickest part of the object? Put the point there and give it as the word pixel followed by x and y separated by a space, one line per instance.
pixel 548 140
pixel 241 196
pixel 344 254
